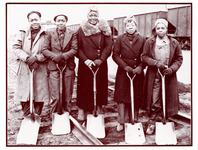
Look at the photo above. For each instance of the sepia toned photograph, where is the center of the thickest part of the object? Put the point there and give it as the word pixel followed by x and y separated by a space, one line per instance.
pixel 105 74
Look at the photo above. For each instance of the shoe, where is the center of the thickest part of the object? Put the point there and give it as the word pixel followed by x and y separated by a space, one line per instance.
pixel 120 127
pixel 150 129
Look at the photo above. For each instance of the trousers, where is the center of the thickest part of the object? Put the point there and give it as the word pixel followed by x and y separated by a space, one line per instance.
pixel 54 85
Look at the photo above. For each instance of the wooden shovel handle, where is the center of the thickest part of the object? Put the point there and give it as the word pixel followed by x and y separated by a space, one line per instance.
pixel 61 71
pixel 163 96
pixel 132 96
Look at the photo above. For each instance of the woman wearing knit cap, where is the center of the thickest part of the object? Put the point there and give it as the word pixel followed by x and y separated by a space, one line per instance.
pixel 94 47
pixel 126 54
pixel 164 53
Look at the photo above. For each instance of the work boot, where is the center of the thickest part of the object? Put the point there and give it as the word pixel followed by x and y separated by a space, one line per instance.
pixel 150 129
pixel 120 127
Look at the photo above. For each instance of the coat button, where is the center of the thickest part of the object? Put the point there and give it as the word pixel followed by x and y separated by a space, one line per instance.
pixel 98 51
pixel 135 66
pixel 135 59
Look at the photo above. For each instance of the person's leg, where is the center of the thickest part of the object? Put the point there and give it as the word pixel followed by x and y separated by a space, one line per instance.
pixel 54 90
pixel 69 77
pixel 121 116
pixel 156 105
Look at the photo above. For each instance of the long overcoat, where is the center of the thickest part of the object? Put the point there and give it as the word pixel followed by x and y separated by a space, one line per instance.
pixel 126 54
pixel 95 46
pixel 22 48
pixel 171 84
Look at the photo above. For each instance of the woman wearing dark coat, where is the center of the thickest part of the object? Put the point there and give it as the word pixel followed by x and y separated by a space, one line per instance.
pixel 126 53
pixel 164 53
pixel 94 43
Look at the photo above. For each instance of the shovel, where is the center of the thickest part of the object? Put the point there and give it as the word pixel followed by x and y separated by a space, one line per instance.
pixel 95 122
pixel 30 125
pixel 165 131
pixel 134 133
pixel 60 119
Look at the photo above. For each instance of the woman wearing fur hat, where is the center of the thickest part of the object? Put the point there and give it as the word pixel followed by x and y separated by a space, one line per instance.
pixel 164 53
pixel 95 44
pixel 126 54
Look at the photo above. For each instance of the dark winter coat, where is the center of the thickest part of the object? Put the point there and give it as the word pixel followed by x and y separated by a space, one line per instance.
pixel 23 47
pixel 126 54
pixel 171 85
pixel 95 46
pixel 52 48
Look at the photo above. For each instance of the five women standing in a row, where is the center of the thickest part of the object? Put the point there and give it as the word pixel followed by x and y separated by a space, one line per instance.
pixel 92 44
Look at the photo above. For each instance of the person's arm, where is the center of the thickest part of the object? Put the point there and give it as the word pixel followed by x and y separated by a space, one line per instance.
pixel 18 46
pixel 73 48
pixel 116 54
pixel 178 58
pixel 107 49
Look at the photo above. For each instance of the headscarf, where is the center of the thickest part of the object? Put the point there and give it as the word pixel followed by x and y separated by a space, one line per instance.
pixel 161 21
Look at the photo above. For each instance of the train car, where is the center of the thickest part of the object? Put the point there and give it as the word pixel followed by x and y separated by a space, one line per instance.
pixel 180 17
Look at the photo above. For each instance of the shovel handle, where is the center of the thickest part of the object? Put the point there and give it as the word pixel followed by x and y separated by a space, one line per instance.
pixel 31 90
pixel 94 71
pixel 132 96
pixel 163 95
pixel 61 71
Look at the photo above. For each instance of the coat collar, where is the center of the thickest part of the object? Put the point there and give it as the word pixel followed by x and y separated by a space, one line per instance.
pixel 67 37
pixel 101 26
pixel 126 41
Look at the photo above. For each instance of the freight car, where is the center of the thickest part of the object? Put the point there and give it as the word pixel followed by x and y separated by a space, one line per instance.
pixel 179 24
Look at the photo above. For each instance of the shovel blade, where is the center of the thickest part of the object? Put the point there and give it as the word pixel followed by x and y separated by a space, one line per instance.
pixel 28 132
pixel 165 134
pixel 95 125
pixel 134 133
pixel 60 124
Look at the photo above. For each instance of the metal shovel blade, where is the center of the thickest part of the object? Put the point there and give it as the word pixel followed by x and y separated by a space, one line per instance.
pixel 165 134
pixel 96 126
pixel 29 131
pixel 60 124
pixel 134 133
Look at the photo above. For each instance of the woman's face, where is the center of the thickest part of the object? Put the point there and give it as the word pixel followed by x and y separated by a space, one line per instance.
pixel 34 21
pixel 93 18
pixel 131 27
pixel 61 22
pixel 161 30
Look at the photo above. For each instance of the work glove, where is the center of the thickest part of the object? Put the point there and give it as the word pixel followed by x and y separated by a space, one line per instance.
pixel 59 58
pixel 161 66
pixel 128 69
pixel 168 71
pixel 30 60
pixel 33 66
pixel 98 62
pixel 137 70
pixel 89 63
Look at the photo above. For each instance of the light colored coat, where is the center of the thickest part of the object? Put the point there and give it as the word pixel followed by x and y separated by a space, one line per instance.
pixel 22 49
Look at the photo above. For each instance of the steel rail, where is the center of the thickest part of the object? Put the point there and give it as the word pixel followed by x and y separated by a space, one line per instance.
pixel 82 134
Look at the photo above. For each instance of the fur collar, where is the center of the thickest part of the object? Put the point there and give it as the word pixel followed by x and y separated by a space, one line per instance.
pixel 101 26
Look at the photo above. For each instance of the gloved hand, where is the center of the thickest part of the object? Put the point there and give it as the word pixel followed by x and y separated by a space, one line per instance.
pixel 59 58
pixel 30 60
pixel 137 70
pixel 161 65
pixel 98 62
pixel 33 66
pixel 128 69
pixel 168 71
pixel 89 63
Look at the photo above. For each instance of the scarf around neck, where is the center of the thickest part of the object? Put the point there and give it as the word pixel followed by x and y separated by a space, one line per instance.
pixel 101 26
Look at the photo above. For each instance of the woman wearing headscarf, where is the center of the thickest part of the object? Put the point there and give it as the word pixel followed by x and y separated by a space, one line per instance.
pixel 126 53
pixel 94 43
pixel 164 53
